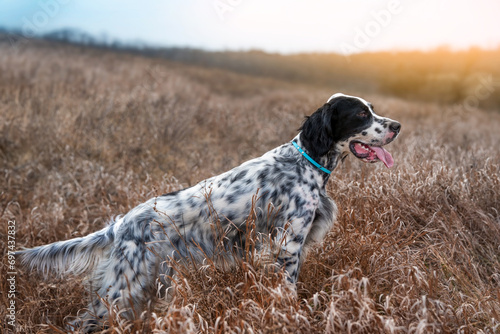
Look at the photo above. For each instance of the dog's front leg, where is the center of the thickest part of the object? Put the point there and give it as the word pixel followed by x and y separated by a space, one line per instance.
pixel 291 242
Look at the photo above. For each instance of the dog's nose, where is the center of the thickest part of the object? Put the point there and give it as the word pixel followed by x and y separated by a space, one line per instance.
pixel 395 126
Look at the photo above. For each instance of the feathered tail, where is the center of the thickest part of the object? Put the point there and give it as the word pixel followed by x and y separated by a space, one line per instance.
pixel 74 256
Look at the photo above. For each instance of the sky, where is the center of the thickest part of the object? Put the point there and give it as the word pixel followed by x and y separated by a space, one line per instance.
pixel 285 26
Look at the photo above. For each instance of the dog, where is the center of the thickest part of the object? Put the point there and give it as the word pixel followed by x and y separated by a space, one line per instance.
pixel 125 260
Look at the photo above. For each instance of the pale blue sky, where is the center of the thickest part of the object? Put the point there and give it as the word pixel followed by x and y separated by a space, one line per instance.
pixel 273 25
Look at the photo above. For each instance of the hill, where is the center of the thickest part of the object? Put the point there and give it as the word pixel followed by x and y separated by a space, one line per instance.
pixel 86 134
pixel 470 77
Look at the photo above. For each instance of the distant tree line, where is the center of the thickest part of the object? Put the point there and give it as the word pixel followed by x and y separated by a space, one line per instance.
pixel 471 77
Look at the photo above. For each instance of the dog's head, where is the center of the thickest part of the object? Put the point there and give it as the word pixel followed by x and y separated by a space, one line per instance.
pixel 348 124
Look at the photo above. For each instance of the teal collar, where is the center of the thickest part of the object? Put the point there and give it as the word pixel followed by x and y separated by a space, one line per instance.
pixel 311 160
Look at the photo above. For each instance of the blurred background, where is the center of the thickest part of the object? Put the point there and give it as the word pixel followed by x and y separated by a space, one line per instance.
pixel 444 51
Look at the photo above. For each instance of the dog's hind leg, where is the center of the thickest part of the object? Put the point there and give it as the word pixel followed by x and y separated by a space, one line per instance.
pixel 133 284
pixel 124 285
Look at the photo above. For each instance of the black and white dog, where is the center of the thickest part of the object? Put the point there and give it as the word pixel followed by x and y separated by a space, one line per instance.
pixel 125 259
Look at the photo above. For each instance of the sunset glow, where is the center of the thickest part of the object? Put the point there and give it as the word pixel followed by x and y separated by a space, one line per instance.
pixel 276 26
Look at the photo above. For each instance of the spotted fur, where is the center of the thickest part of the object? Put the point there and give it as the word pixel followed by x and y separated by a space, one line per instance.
pixel 125 259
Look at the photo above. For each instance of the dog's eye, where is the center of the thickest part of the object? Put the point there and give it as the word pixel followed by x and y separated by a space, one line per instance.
pixel 363 114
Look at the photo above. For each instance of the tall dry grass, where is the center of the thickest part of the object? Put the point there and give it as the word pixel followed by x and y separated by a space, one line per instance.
pixel 87 134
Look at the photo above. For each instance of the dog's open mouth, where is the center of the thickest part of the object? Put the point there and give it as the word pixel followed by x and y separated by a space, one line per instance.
pixel 369 153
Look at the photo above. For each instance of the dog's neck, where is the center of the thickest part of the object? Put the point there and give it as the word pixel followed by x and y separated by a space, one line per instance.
pixel 329 160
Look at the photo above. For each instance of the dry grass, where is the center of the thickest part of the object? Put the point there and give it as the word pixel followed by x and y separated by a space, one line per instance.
pixel 87 134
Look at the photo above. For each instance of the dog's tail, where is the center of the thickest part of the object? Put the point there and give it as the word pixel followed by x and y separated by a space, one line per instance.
pixel 75 256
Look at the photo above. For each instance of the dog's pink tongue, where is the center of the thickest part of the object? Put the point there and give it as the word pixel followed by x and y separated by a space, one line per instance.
pixel 384 156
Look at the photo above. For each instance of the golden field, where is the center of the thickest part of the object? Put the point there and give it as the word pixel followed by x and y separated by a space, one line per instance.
pixel 86 134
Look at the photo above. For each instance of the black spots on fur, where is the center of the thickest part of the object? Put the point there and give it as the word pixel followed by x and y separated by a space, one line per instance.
pixel 274 195
pixel 137 253
pixel 231 216
pixel 287 261
pixel 118 272
pixel 263 178
pixel 298 172
pixel 238 189
pixel 110 236
pixel 262 174
pixel 130 235
pixel 240 175
pixel 385 125
pixel 176 242
pixel 138 221
pixel 286 187
pixel 298 239
pixel 102 239
pixel 224 179
pixel 96 302
pixel 134 278
pixel 378 130
pixel 299 202
pixel 192 203
pixel 277 170
pixel 232 198
pixel 364 133
pixel 172 194
pixel 284 159
pixel 201 214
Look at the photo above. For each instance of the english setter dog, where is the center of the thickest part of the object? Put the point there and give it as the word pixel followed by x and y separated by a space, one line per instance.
pixel 125 260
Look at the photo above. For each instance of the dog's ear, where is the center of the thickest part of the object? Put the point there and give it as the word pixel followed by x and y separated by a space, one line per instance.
pixel 318 131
